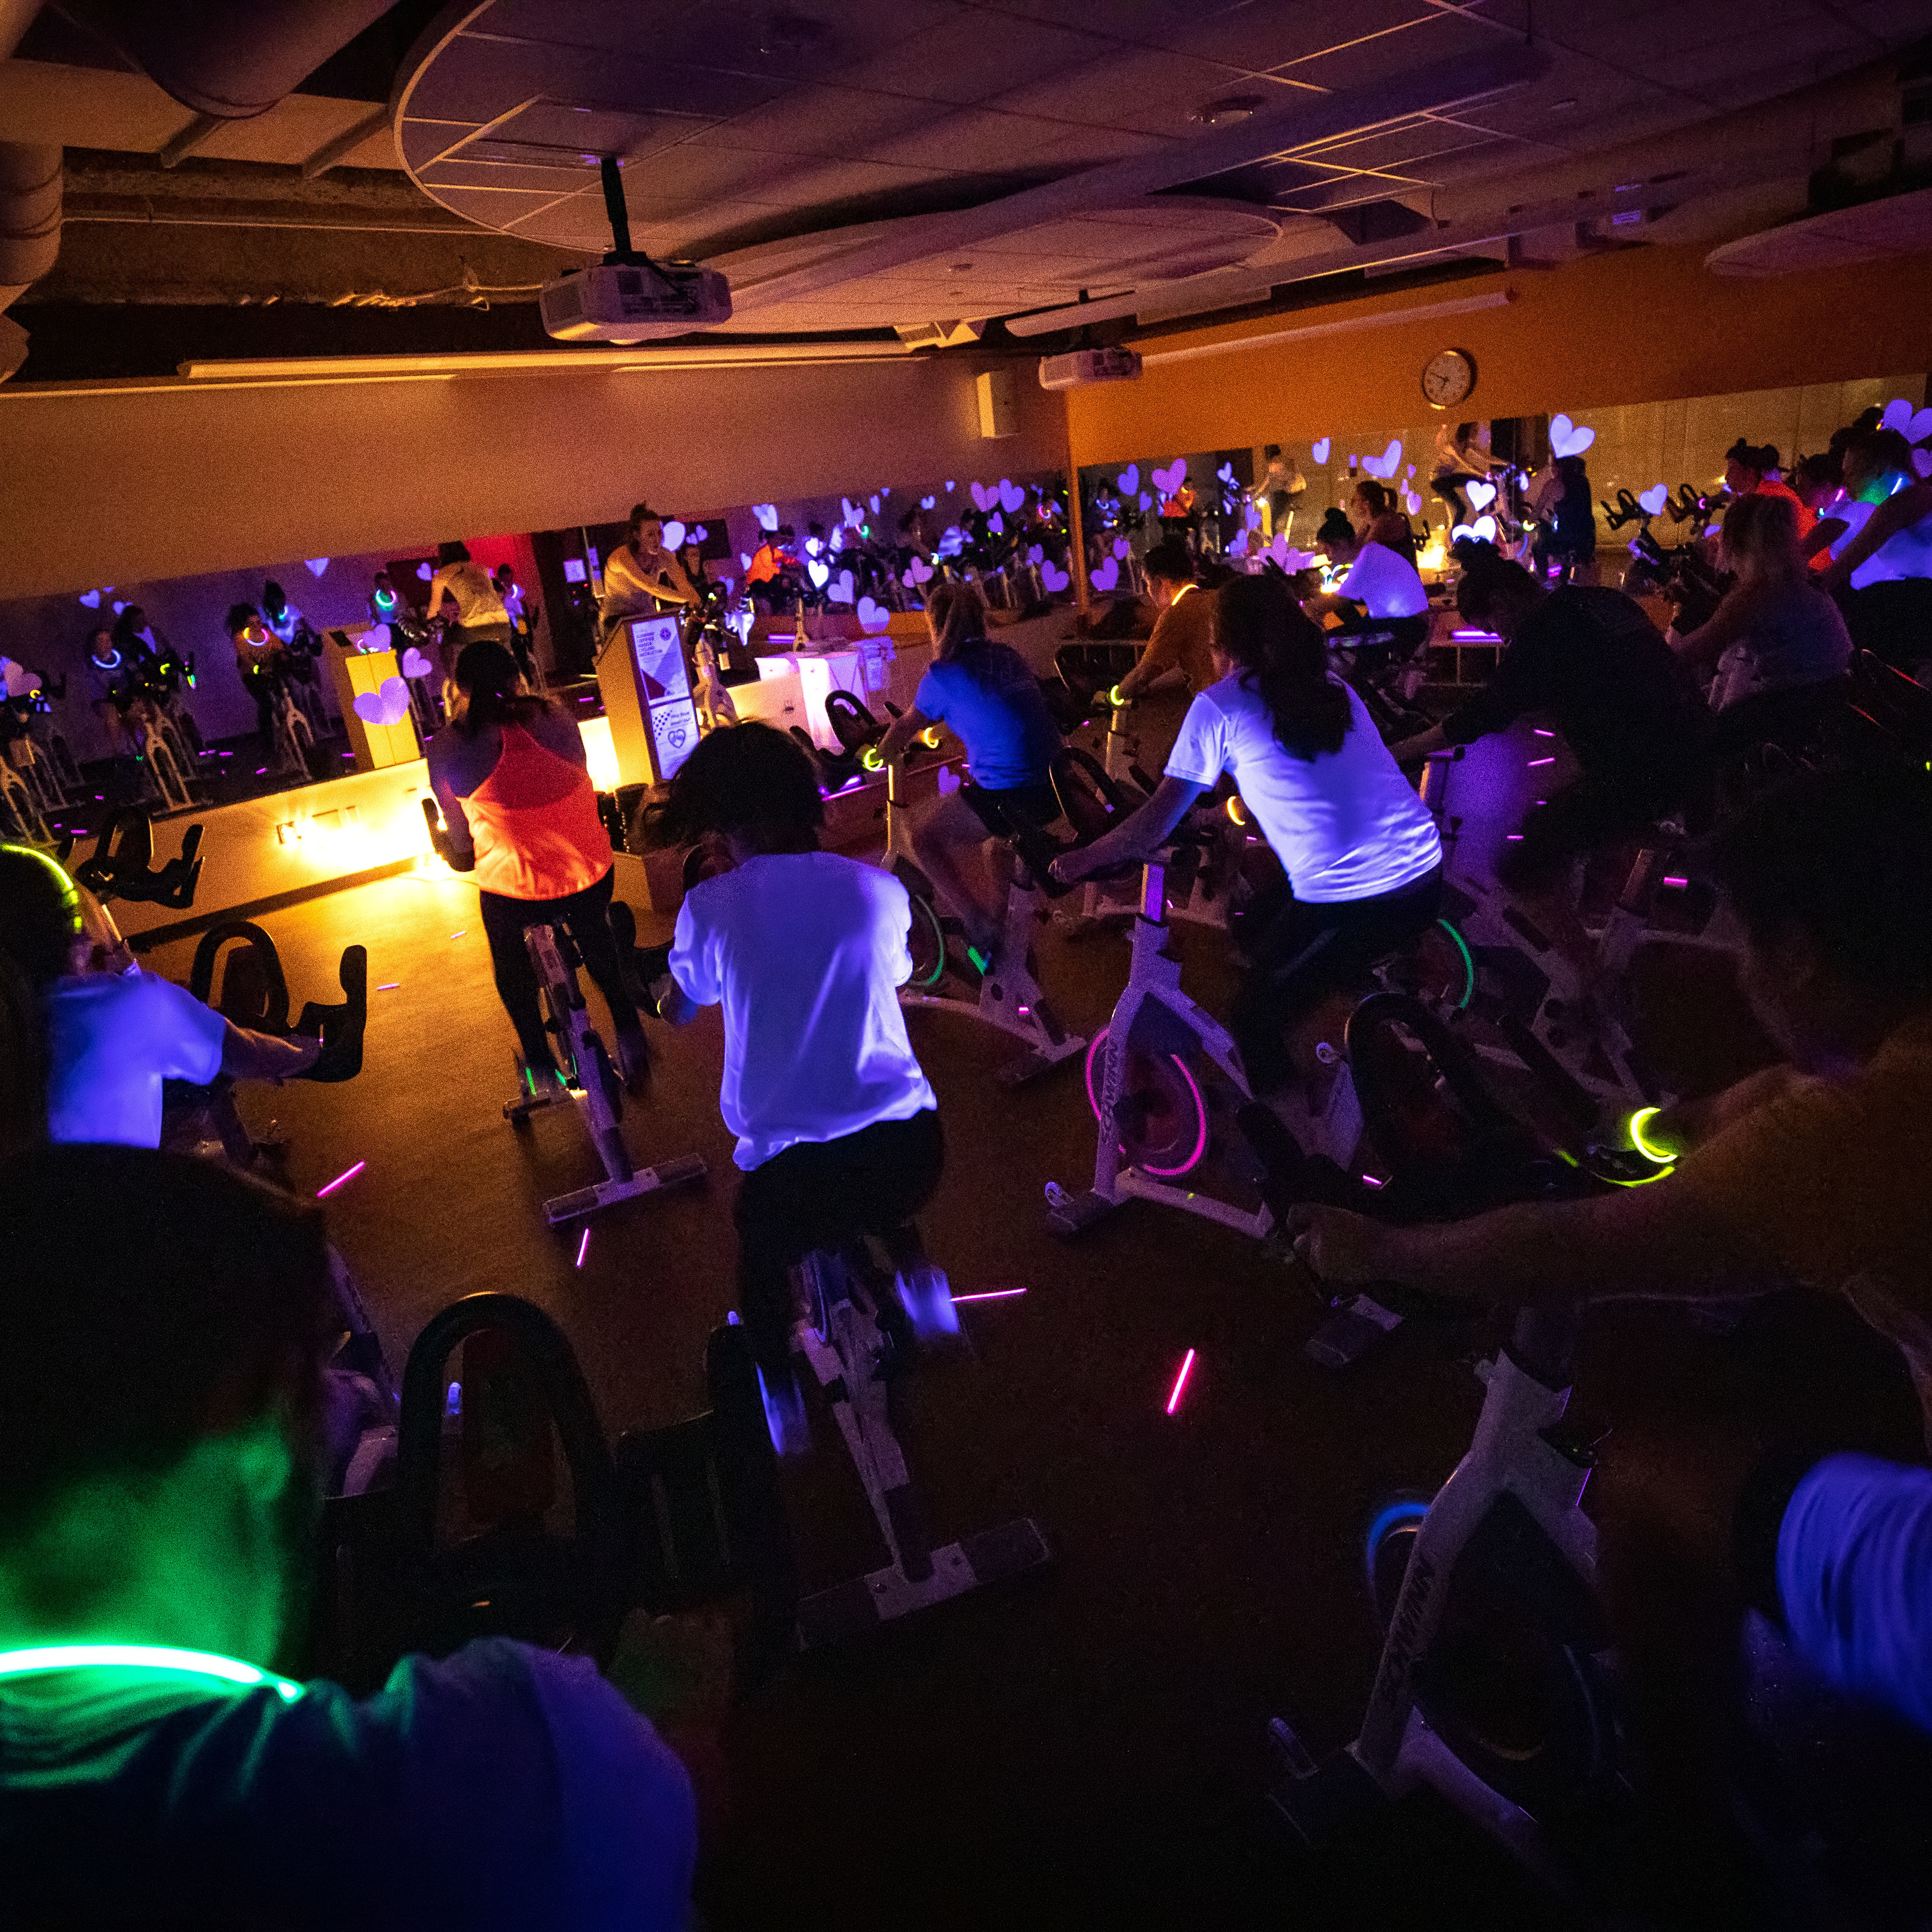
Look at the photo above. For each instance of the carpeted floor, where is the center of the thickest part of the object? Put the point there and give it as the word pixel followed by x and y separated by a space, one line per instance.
pixel 1086 1746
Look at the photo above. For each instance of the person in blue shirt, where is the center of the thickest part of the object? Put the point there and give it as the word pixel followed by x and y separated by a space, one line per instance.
pixel 160 1439
pixel 987 694
pixel 838 1130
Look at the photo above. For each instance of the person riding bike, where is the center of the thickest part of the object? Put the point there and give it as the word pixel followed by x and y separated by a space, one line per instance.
pixel 1811 1170
pixel 472 595
pixel 113 1032
pixel 511 774
pixel 1381 592
pixel 1780 649
pixel 838 1132
pixel 261 659
pixel 163 1447
pixel 1182 629
pixel 989 696
pixel 642 578
pixel 1363 857
pixel 1882 550
pixel 1751 470
pixel 1588 659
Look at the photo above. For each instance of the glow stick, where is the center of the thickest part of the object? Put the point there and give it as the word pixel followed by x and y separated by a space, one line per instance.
pixel 1181 1381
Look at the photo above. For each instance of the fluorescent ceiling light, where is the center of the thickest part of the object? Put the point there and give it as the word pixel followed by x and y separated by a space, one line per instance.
pixel 710 355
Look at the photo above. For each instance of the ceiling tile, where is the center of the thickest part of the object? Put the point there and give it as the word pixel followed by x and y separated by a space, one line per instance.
pixel 1147 92
pixel 730 36
pixel 1353 62
pixel 422 141
pixel 833 122
pixel 553 180
pixel 971 58
pixel 970 138
pixel 1268 38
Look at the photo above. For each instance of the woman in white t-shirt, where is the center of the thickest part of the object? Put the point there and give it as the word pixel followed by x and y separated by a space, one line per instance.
pixel 838 1130
pixel 1362 857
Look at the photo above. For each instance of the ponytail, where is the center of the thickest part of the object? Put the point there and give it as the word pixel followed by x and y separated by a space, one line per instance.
pixel 1284 660
pixel 487 675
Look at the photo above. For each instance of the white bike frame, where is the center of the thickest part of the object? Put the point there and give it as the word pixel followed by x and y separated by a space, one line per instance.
pixel 844 1358
pixel 1510 1455
pixel 586 1061
pixel 1010 998
pixel 1153 978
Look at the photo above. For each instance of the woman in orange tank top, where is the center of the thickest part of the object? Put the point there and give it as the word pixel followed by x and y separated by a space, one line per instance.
pixel 510 772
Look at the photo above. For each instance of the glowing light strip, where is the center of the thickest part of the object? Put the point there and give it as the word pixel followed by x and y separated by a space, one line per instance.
pixel 989 1294
pixel 1534 762
pixel 341 1180
pixel 1656 1155
pixel 582 1247
pixel 1181 1381
pixel 144 1657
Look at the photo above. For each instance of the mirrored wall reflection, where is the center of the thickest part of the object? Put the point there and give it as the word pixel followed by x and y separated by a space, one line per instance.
pixel 187 692
pixel 1612 473
pixel 1202 499
pixel 832 567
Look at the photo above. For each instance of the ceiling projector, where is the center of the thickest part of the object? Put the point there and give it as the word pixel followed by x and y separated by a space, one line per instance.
pixel 634 301
pixel 1085 366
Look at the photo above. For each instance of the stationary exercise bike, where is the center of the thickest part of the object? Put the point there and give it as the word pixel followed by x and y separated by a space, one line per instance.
pixel 584 1070
pixel 1531 992
pixel 858 1325
pixel 1153 1119
pixel 1007 995
pixel 1493 1687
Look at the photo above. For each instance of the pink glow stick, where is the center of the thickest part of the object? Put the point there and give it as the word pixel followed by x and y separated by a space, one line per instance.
pixel 1181 1381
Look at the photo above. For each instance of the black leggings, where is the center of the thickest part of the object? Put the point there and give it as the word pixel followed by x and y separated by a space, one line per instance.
pixel 586 915
pixel 1313 949
pixel 819 1194
pixel 1450 489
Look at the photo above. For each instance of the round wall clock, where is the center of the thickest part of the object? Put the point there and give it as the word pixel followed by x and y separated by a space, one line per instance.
pixel 1447 377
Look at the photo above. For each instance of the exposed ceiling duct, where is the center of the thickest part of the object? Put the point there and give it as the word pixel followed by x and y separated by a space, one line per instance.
pixel 30 223
pixel 229 59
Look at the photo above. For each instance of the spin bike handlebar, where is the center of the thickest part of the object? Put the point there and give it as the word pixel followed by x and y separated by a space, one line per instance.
pixel 439 839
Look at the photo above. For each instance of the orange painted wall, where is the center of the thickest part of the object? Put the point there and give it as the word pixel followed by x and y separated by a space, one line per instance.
pixel 1649 325
pixel 130 484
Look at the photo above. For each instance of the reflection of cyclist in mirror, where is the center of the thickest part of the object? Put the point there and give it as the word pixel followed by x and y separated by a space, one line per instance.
pixel 261 659
pixel 640 577
pixel 471 593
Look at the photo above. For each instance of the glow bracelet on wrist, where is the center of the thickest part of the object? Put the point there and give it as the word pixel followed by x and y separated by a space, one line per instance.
pixel 1114 698
pixel 1655 1155
pixel 869 757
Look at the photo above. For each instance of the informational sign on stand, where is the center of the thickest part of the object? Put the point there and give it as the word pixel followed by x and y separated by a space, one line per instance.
pixel 647 697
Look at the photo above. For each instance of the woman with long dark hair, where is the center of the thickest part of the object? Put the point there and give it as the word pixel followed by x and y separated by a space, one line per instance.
pixel 1364 860
pixel 511 774
pixel 987 693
